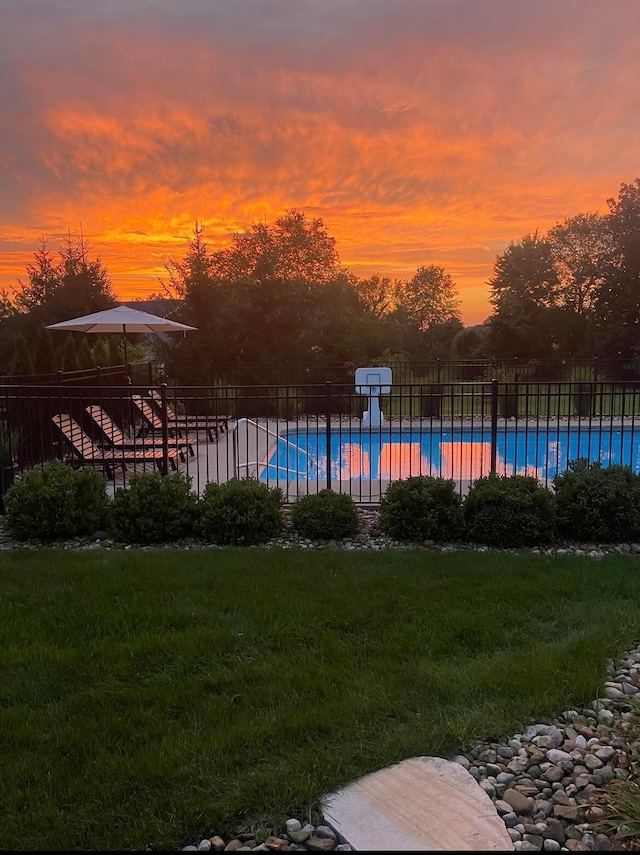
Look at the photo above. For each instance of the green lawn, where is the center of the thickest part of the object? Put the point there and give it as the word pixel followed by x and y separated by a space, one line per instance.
pixel 147 698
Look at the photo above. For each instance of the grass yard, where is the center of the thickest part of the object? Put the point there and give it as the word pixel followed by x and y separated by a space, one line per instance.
pixel 148 698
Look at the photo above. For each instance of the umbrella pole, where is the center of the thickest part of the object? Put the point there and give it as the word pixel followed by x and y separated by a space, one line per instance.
pixel 127 380
pixel 126 358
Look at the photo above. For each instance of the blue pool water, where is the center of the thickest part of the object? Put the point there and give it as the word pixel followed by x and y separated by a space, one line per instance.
pixel 461 454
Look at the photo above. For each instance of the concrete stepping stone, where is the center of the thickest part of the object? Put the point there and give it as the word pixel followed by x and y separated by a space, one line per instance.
pixel 421 804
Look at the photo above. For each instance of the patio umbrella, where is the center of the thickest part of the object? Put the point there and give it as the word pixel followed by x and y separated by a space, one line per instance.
pixel 121 319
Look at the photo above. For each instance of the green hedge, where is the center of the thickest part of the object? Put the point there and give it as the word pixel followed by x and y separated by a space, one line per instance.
pixel 56 502
pixel 588 503
pixel 421 508
pixel 154 509
pixel 242 511
pixel 325 516
pixel 598 504
pixel 509 511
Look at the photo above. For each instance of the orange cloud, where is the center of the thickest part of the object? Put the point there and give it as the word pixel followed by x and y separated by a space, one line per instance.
pixel 421 133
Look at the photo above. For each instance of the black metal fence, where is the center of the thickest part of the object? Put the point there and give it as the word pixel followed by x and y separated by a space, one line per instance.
pixel 308 437
pixel 410 371
pixel 112 375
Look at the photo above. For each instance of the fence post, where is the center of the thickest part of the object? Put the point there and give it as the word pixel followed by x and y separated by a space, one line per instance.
pixel 327 410
pixel 494 425
pixel 165 429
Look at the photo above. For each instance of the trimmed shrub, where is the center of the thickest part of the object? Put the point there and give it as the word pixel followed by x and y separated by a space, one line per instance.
pixel 325 515
pixel 154 509
pixel 598 504
pixel 56 502
pixel 241 511
pixel 421 508
pixel 509 511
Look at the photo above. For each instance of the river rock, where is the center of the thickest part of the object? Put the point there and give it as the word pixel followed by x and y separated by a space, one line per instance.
pixel 522 805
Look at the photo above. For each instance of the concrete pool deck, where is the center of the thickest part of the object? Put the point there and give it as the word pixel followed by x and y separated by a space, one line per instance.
pixel 217 461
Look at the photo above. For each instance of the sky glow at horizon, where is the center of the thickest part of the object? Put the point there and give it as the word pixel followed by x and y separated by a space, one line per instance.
pixel 421 131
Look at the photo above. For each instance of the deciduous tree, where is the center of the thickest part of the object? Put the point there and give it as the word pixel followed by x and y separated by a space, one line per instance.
pixel 293 248
pixel 617 305
pixel 523 291
pixel 582 249
pixel 429 298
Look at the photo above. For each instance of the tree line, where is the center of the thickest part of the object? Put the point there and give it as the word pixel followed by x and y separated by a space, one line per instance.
pixel 279 294
pixel 573 292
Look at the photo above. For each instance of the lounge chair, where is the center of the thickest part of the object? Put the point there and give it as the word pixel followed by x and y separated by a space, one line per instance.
pixel 116 439
pixel 204 422
pixel 152 422
pixel 84 449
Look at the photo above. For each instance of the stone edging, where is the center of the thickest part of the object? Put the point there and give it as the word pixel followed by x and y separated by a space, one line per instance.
pixel 368 538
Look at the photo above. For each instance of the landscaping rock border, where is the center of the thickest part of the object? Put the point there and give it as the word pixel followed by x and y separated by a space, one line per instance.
pixel 545 782
pixel 369 537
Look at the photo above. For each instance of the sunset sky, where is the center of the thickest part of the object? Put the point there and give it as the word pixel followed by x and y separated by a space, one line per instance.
pixel 421 131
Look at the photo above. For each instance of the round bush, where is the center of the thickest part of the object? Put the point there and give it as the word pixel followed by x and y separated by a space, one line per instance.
pixel 594 503
pixel 240 511
pixel 421 508
pixel 509 511
pixel 154 509
pixel 56 502
pixel 325 516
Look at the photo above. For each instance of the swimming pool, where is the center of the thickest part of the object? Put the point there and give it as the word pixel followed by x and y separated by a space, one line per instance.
pixel 462 454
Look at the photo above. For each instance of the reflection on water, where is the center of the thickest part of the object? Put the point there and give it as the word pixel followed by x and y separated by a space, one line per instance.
pixel 462 461
pixel 390 461
pixel 463 456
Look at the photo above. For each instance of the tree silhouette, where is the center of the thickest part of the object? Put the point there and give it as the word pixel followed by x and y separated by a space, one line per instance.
pixel 115 351
pixel 44 352
pixel 101 352
pixel 69 354
pixel 85 357
pixel 21 363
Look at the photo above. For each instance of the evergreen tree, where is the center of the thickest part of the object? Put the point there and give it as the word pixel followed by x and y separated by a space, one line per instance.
pixel 8 321
pixel 85 358
pixel 101 353
pixel 57 290
pixel 44 280
pixel 69 355
pixel 21 363
pixel 44 361
pixel 115 352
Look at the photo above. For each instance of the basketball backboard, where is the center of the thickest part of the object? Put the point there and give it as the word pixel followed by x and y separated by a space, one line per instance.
pixel 373 381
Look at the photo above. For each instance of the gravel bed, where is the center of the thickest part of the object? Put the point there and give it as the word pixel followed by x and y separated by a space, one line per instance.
pixel 545 782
